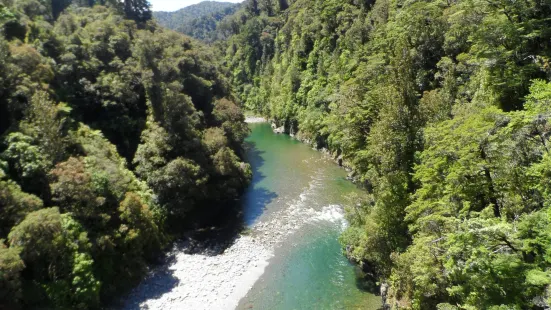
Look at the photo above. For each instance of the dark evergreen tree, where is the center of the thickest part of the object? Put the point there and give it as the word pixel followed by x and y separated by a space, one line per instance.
pixel 58 6
pixel 137 10
pixel 88 102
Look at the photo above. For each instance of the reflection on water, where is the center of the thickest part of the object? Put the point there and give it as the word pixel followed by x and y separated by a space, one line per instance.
pixel 257 197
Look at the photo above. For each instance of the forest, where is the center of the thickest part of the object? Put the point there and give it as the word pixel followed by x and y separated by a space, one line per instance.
pixel 199 20
pixel 441 111
pixel 115 133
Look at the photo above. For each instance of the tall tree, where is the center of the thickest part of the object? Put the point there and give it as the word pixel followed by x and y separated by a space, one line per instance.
pixel 58 6
pixel 137 10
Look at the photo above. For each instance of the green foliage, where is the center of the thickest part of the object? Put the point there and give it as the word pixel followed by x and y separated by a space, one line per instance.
pixel 214 139
pixel 137 10
pixel 141 232
pixel 27 163
pixel 45 121
pixel 72 188
pixel 231 119
pixel 441 111
pixel 180 184
pixel 109 133
pixel 84 286
pixel 55 249
pixel 15 205
pixel 198 20
pixel 11 266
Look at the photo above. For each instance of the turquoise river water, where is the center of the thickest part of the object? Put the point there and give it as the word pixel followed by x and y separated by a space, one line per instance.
pixel 308 271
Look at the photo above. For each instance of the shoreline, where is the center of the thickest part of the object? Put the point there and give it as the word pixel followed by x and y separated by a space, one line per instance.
pixel 255 119
pixel 219 278
pixel 220 281
pixel 203 280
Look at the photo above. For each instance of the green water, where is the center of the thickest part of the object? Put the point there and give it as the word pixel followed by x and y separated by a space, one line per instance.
pixel 307 271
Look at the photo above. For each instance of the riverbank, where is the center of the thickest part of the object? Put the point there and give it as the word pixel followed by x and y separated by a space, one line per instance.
pixel 197 276
pixel 294 191
pixel 255 119
pixel 203 280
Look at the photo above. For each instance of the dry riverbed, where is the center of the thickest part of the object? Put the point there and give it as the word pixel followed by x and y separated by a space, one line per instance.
pixel 203 281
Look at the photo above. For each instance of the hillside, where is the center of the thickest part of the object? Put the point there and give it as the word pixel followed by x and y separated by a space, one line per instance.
pixel 441 111
pixel 115 134
pixel 199 20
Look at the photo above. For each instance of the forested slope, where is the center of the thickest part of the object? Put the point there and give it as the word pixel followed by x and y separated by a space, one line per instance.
pixel 441 109
pixel 198 20
pixel 113 131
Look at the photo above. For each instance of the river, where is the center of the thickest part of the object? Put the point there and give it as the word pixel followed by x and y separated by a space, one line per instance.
pixel 288 257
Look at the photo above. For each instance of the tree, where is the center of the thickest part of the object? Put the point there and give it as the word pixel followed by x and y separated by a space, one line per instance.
pixel 15 205
pixel 416 98
pixel 44 121
pixel 201 21
pixel 72 188
pixel 54 250
pixel 137 10
pixel 231 119
pixel 108 142
pixel 27 163
pixel 58 6
pixel 141 233
pixel 11 266
pixel 479 217
pixel 214 139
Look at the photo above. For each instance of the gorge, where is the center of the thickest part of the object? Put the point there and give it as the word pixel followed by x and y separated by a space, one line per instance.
pixel 130 179
pixel 287 258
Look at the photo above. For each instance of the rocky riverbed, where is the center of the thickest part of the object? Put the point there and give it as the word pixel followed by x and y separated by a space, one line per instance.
pixel 198 276
pixel 204 280
pixel 255 119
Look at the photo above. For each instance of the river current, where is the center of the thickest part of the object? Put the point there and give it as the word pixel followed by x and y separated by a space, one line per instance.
pixel 308 270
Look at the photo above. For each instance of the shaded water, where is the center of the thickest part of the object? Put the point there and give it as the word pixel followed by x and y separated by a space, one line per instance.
pixel 291 181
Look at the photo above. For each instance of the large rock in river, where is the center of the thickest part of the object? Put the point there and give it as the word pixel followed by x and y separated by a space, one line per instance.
pixel 278 130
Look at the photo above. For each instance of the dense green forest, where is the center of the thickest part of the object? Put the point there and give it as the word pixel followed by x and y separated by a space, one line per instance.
pixel 114 133
pixel 199 20
pixel 441 110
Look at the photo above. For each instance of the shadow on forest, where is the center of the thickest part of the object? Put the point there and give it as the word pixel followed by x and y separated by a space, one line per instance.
pixel 156 284
pixel 366 280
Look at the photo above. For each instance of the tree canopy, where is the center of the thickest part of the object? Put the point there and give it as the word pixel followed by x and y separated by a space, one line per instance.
pixel 199 20
pixel 114 130
pixel 440 109
pixel 107 123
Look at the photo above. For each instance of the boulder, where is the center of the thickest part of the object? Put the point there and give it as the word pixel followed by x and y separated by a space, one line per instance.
pixel 384 296
pixel 279 130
